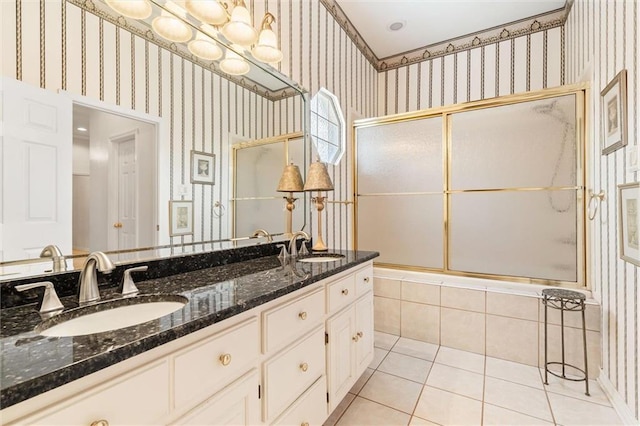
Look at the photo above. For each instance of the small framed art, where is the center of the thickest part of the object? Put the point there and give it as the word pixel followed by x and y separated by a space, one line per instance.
pixel 629 217
pixel 180 218
pixel 613 111
pixel 202 167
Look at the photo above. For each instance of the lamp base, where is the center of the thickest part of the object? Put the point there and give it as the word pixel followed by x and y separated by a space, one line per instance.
pixel 319 246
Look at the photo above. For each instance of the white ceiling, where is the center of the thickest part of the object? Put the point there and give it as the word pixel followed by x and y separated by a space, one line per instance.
pixel 432 21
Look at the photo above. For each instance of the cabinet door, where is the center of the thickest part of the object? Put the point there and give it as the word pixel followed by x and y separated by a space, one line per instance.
pixel 364 332
pixel 237 404
pixel 341 355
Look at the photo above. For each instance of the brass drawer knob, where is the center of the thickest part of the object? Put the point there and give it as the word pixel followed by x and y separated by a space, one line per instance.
pixel 302 315
pixel 100 423
pixel 360 334
pixel 355 338
pixel 345 291
pixel 225 359
pixel 304 367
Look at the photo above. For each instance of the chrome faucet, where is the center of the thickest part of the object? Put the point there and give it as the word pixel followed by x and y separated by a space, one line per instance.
pixel 59 262
pixel 263 233
pixel 88 284
pixel 293 249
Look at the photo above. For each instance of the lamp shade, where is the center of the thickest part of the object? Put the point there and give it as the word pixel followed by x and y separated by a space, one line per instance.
pixel 171 28
pixel 266 49
pixel 205 48
pixel 291 179
pixel 233 63
pixel 136 9
pixel 209 11
pixel 318 178
pixel 239 29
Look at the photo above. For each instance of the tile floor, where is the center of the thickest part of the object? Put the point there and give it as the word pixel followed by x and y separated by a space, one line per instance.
pixel 415 383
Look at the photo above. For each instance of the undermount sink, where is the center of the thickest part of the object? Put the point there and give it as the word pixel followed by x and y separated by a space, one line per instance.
pixel 111 315
pixel 321 258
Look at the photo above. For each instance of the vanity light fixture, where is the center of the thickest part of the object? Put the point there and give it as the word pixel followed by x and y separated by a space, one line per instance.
pixel 136 9
pixel 239 29
pixel 266 49
pixel 290 181
pixel 204 47
pixel 318 180
pixel 208 11
pixel 233 63
pixel 170 26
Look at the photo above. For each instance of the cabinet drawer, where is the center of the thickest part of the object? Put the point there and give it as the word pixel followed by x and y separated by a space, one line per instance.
pixel 286 322
pixel 310 409
pixel 364 280
pixel 237 404
pixel 140 397
pixel 340 293
pixel 289 373
pixel 205 367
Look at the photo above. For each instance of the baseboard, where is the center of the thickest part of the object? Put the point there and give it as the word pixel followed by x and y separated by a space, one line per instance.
pixel 619 404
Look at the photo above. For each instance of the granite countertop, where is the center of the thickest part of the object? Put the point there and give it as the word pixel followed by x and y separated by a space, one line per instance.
pixel 33 364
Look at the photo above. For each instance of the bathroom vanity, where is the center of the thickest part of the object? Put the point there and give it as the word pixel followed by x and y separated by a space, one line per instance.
pixel 259 341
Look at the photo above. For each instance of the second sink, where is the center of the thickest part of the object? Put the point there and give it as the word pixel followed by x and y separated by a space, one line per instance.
pixel 111 315
pixel 318 258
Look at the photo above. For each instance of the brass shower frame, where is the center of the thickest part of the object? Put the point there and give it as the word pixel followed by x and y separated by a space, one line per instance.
pixel 580 90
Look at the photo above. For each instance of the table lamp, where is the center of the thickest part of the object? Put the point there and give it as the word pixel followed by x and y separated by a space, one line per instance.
pixel 318 180
pixel 290 181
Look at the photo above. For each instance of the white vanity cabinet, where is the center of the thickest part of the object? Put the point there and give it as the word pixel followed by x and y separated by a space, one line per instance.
pixel 270 365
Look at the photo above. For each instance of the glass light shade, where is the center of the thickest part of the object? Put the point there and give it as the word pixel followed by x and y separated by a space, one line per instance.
pixel 291 179
pixel 233 63
pixel 239 29
pixel 209 11
pixel 136 9
pixel 266 50
pixel 318 178
pixel 205 48
pixel 171 28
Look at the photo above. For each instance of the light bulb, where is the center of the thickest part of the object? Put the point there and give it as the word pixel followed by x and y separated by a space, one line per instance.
pixel 233 63
pixel 239 29
pixel 205 48
pixel 208 11
pixel 136 9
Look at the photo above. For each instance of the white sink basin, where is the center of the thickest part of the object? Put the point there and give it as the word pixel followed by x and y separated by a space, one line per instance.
pixel 112 315
pixel 320 258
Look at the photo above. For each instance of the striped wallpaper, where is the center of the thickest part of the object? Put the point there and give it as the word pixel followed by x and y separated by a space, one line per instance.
pixel 602 39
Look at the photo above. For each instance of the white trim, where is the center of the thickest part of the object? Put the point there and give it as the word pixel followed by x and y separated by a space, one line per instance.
pixel 618 403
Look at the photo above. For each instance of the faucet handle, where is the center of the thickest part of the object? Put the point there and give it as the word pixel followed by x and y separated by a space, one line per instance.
pixel 303 250
pixel 128 286
pixel 50 300
pixel 283 251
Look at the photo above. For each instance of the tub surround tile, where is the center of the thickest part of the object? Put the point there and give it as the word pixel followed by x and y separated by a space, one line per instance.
pixel 463 330
pixel 573 347
pixel 386 313
pixel 416 348
pixel 462 298
pixel 420 322
pixel 592 317
pixel 386 287
pixel 421 293
pixel 392 391
pixel 512 339
pixel 447 408
pixel 405 366
pixel 514 306
pixel 241 286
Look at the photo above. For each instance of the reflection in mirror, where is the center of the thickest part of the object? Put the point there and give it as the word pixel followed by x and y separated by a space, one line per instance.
pixel 257 168
pixel 328 130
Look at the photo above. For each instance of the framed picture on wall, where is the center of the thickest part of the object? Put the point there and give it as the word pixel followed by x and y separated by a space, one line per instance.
pixel 629 217
pixel 202 167
pixel 180 218
pixel 613 113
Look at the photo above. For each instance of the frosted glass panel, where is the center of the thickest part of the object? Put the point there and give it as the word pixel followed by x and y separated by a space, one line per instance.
pixel 265 214
pixel 530 144
pixel 400 157
pixel 405 229
pixel 258 170
pixel 526 233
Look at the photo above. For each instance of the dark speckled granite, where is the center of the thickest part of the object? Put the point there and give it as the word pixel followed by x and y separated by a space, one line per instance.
pixel 33 364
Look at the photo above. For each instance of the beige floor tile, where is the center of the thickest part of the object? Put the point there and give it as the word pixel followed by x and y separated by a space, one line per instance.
pixel 362 380
pixel 455 380
pixel 421 322
pixel 460 359
pixel 392 391
pixel 520 398
pixel 368 413
pixel 384 340
pixel 417 421
pixel 577 389
pixel 340 409
pixel 386 315
pixel 378 356
pixel 462 330
pixel 447 408
pixel 416 348
pixel 405 366
pixel 514 372
pixel 498 416
pixel 512 339
pixel 570 411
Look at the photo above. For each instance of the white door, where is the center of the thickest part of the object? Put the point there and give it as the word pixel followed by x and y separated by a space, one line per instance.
pixel 36 170
pixel 127 204
pixel 340 355
pixel 364 331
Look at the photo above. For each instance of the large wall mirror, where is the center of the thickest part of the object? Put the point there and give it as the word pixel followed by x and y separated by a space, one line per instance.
pixel 98 170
